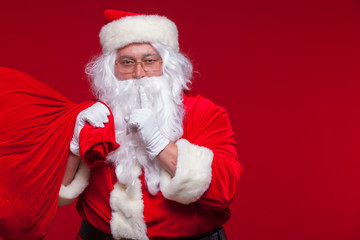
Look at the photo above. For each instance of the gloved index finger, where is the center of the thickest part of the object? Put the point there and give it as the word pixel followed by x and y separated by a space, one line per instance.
pixel 144 101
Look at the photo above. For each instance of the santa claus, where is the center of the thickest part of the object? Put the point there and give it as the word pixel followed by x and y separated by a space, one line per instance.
pixel 176 170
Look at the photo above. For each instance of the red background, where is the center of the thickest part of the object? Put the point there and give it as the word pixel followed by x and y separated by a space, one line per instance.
pixel 286 71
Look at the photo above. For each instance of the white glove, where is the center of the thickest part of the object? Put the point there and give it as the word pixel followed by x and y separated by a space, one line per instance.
pixel 96 116
pixel 143 122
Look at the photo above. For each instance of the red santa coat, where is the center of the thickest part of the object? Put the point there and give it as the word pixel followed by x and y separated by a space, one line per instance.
pixel 194 202
pixel 36 127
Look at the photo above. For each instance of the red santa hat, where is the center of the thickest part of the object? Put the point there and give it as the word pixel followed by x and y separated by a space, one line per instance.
pixel 123 28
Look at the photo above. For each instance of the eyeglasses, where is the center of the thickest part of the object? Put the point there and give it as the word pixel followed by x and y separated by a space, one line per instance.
pixel 149 64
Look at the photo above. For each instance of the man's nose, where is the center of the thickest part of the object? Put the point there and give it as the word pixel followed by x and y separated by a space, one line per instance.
pixel 139 71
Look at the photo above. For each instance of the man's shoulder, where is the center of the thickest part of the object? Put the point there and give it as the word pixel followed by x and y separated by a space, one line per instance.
pixel 199 103
pixel 191 100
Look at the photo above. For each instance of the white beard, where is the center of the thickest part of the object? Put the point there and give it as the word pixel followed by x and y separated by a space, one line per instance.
pixel 166 102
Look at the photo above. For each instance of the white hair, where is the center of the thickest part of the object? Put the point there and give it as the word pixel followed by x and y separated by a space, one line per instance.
pixel 166 96
pixel 101 70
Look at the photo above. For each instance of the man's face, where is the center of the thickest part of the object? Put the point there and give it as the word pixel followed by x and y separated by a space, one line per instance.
pixel 137 60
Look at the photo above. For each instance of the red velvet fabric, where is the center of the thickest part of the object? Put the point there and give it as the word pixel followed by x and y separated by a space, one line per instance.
pixel 96 143
pixel 205 125
pixel 36 127
pixel 112 15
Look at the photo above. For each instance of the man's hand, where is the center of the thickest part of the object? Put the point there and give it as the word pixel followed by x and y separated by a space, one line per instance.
pixel 143 122
pixel 96 116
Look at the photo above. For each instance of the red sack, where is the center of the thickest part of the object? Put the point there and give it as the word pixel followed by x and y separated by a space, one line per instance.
pixel 36 127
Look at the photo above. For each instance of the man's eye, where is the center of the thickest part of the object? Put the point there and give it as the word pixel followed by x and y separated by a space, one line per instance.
pixel 149 61
pixel 127 62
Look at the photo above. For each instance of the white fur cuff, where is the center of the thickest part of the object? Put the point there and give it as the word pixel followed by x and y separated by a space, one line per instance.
pixel 192 176
pixel 78 184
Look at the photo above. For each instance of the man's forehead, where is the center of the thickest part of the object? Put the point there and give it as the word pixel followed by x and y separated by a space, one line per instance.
pixel 142 55
pixel 137 49
pixel 137 53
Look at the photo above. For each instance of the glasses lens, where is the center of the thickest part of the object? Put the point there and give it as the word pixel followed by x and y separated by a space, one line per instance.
pixel 151 65
pixel 125 65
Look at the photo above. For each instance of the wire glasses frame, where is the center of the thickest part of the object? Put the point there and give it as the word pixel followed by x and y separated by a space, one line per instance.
pixel 129 65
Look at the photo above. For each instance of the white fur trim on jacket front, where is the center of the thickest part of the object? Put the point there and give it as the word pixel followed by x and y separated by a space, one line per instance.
pixel 78 184
pixel 192 176
pixel 127 216
pixel 139 29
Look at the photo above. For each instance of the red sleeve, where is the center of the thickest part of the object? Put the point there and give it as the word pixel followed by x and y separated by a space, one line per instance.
pixel 208 125
pixel 96 143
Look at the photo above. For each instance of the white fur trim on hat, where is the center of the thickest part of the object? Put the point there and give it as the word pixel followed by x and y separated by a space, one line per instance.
pixel 127 211
pixel 192 176
pixel 78 184
pixel 138 29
